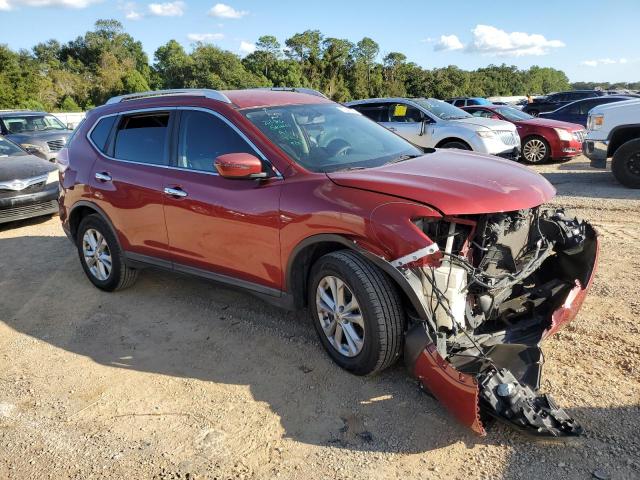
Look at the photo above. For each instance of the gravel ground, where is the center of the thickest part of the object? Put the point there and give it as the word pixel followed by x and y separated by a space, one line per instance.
pixel 180 378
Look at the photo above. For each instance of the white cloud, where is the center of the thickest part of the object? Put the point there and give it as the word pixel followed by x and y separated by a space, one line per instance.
pixel 205 37
pixel 247 47
pixel 448 43
pixel 168 9
pixel 604 61
pixel 6 5
pixel 131 10
pixel 225 11
pixel 490 40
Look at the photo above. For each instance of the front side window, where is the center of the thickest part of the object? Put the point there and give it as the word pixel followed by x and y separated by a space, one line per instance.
pixel 142 138
pixel 329 137
pixel 32 123
pixel 403 113
pixel 203 138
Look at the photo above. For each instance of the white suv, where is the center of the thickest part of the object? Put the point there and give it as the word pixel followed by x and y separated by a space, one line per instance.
pixel 613 130
pixel 432 123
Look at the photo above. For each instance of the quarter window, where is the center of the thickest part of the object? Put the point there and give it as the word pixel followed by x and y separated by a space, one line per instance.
pixel 142 138
pixel 203 137
pixel 100 133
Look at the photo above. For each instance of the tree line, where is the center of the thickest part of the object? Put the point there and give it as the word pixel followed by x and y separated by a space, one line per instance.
pixel 107 61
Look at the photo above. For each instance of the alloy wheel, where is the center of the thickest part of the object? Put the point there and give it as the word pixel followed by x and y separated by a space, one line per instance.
pixel 633 164
pixel 97 255
pixel 340 316
pixel 534 150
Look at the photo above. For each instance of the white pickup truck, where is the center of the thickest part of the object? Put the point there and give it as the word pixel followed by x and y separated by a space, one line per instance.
pixel 613 130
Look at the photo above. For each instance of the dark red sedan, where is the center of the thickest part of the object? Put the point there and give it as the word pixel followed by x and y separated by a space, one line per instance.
pixel 542 139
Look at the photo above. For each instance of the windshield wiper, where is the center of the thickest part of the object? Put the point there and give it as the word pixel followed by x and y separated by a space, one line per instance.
pixel 402 158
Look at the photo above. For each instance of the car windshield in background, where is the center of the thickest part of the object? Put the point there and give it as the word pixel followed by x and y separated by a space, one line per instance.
pixel 513 114
pixel 327 138
pixel 9 149
pixel 441 109
pixel 32 123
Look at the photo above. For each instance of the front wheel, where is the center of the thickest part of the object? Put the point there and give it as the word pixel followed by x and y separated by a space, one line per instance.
pixel 625 164
pixel 356 311
pixel 456 144
pixel 536 150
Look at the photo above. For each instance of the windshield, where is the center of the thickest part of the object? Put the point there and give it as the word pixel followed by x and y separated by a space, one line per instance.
pixel 441 109
pixel 513 114
pixel 32 123
pixel 330 137
pixel 10 149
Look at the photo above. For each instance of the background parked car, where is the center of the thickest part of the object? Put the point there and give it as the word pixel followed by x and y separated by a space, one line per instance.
pixel 432 123
pixel 28 184
pixel 577 112
pixel 542 139
pixel 467 101
pixel 39 133
pixel 556 100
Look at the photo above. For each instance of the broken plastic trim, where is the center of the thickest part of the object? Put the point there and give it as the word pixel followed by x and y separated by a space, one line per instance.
pixel 415 256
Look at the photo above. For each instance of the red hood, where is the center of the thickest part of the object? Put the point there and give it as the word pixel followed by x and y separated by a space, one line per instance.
pixel 455 182
pixel 548 122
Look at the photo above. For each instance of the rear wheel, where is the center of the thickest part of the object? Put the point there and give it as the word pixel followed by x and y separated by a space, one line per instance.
pixel 626 164
pixel 533 113
pixel 536 150
pixel 456 144
pixel 101 257
pixel 356 311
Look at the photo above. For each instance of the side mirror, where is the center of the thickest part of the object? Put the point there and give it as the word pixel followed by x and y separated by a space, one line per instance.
pixel 239 166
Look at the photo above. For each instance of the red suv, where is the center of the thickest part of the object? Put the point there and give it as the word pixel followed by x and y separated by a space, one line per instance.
pixel 446 256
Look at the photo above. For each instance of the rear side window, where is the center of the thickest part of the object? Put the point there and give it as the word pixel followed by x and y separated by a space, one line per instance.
pixel 100 133
pixel 142 138
pixel 378 112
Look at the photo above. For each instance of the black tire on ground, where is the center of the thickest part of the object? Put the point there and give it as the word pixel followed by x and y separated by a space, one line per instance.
pixel 544 145
pixel 626 164
pixel 456 144
pixel 380 307
pixel 120 276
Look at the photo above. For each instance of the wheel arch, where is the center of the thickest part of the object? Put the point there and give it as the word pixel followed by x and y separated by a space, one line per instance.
pixel 452 139
pixel 309 250
pixel 621 135
pixel 83 209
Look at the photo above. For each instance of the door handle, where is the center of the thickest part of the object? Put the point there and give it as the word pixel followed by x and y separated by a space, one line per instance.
pixel 103 176
pixel 175 192
pixel 393 129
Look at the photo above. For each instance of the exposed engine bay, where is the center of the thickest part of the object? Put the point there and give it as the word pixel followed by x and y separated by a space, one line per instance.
pixel 498 284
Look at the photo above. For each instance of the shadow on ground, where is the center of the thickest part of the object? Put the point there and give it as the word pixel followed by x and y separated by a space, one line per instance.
pixel 188 328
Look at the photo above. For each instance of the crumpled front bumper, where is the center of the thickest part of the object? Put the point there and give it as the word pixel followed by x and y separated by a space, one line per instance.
pixel 462 393
pixel 597 152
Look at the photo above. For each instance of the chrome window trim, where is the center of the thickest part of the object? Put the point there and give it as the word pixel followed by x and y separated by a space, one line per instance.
pixel 171 167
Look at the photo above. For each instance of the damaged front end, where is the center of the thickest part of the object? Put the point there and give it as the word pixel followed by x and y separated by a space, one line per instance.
pixel 492 290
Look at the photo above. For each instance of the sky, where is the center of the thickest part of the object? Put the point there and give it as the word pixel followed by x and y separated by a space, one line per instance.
pixel 588 40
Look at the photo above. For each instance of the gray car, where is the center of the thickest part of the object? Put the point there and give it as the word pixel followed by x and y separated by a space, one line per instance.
pixel 39 133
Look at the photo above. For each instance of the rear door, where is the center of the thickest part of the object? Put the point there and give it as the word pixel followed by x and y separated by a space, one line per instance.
pixel 224 226
pixel 128 177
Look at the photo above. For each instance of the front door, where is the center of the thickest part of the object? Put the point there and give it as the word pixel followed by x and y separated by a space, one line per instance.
pixel 220 225
pixel 406 121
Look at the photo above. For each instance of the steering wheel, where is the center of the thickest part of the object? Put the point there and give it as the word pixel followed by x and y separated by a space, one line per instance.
pixel 338 147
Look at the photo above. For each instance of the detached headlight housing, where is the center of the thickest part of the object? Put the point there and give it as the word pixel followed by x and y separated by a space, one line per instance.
pixel 564 134
pixel 52 177
pixel 595 121
pixel 486 133
pixel 30 147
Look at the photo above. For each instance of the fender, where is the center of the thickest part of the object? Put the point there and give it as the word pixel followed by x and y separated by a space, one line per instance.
pixel 99 211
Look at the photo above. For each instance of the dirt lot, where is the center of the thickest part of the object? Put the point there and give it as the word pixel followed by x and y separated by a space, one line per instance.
pixel 181 378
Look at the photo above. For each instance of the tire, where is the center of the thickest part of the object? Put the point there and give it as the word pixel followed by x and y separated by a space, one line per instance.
pixel 536 150
pixel 380 313
pixel 533 113
pixel 626 164
pixel 456 144
pixel 119 276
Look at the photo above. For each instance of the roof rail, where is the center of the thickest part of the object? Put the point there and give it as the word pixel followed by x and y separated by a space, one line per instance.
pixel 308 91
pixel 195 92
